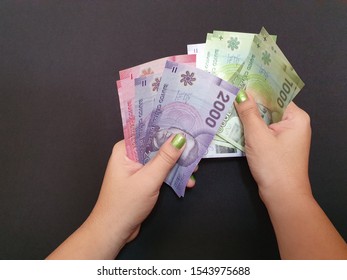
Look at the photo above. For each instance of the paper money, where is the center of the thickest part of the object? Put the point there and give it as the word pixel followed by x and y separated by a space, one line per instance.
pixel 146 89
pixel 169 95
pixel 198 50
pixel 222 55
pixel 222 149
pixel 128 99
pixel 225 51
pixel 264 76
pixel 126 94
pixel 195 48
pixel 272 47
pixel 218 148
pixel 155 66
pixel 194 103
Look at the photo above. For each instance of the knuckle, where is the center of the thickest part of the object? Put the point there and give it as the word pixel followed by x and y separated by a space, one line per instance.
pixel 117 146
pixel 248 111
pixel 166 157
pixel 305 118
pixel 249 114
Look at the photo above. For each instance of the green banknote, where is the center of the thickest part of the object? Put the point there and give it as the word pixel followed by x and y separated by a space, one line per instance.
pixel 273 49
pixel 270 79
pixel 223 55
pixel 225 52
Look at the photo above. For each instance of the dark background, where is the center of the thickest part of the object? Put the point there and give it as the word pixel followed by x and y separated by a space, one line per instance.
pixel 60 117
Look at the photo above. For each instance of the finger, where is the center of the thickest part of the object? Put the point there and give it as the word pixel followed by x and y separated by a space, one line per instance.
pixel 159 167
pixel 119 158
pixel 247 110
pixel 292 117
pixel 254 127
pixel 293 110
pixel 191 182
pixel 196 168
pixel 292 107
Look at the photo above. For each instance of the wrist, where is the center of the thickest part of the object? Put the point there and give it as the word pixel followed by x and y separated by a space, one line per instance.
pixel 283 192
pixel 107 235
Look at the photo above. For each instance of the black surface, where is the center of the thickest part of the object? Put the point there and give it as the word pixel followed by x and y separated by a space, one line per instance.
pixel 60 118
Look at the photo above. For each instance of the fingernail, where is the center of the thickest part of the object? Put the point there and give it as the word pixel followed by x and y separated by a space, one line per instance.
pixel 178 141
pixel 192 177
pixel 241 97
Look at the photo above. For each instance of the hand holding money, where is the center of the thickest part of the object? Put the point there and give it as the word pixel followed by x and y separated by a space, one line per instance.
pixel 193 95
pixel 128 194
pixel 181 100
pixel 267 146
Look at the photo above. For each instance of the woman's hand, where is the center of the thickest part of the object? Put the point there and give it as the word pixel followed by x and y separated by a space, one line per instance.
pixel 277 154
pixel 128 194
pixel 130 190
pixel 278 158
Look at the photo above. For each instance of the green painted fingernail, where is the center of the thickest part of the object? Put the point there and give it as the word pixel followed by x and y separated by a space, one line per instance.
pixel 241 97
pixel 192 178
pixel 178 141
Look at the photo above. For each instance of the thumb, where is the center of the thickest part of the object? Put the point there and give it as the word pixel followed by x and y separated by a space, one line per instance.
pixel 247 110
pixel 159 167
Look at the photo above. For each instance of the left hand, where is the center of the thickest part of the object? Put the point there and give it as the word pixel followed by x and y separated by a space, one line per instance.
pixel 130 190
pixel 127 196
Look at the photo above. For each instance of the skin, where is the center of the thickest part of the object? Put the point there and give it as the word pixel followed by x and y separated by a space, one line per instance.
pixel 128 194
pixel 278 157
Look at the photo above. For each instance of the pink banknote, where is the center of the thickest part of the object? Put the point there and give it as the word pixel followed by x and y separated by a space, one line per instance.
pixel 126 94
pixel 194 103
pixel 127 98
pixel 156 66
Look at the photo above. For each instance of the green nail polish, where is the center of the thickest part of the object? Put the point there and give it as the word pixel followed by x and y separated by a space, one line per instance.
pixel 178 141
pixel 192 177
pixel 241 97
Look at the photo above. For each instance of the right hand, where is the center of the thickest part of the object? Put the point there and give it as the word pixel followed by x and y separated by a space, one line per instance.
pixel 277 154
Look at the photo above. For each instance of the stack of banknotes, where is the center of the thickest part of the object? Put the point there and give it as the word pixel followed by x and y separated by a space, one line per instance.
pixel 193 94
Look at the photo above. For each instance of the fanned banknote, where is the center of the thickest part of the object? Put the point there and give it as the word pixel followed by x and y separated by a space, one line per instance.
pixel 195 48
pixel 192 102
pixel 126 94
pixel 273 49
pixel 146 90
pixel 155 66
pixel 198 50
pixel 264 75
pixel 219 148
pixel 222 149
pixel 128 100
pixel 222 55
pixel 225 52
pixel 169 95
